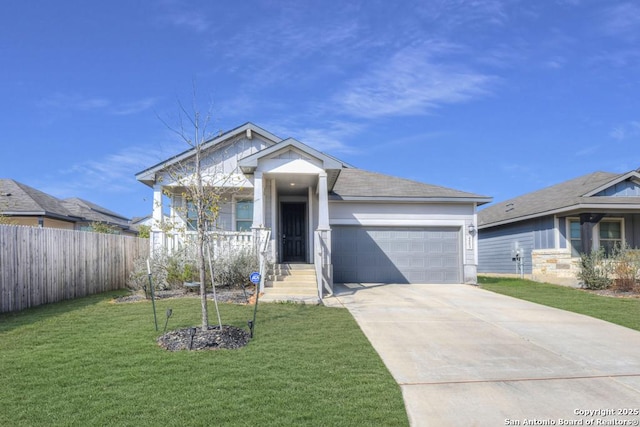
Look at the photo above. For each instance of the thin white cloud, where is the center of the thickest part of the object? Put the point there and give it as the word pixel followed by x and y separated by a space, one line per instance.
pixel 413 81
pixel 134 107
pixel 622 20
pixel 181 14
pixel 629 130
pixel 76 102
pixel 588 151
pixel 331 138
pixel 190 20
pixel 115 173
pixel 65 101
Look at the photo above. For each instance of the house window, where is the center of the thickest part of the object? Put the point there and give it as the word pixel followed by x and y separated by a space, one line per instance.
pixel 192 218
pixel 574 236
pixel 607 235
pixel 610 235
pixel 244 215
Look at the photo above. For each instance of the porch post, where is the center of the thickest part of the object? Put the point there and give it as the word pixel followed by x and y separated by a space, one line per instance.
pixel 157 205
pixel 323 202
pixel 587 222
pixel 157 234
pixel 258 202
pixel 322 258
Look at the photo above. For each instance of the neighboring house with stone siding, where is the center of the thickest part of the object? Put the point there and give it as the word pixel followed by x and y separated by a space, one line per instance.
pixel 545 231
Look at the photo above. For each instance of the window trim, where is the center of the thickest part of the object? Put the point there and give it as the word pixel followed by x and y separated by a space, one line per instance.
pixel 234 204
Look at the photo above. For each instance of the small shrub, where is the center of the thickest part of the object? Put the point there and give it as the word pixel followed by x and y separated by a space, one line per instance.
pixel 233 269
pixel 626 269
pixel 595 270
pixel 169 271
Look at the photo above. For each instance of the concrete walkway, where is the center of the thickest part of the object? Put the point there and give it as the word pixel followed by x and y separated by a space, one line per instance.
pixel 464 356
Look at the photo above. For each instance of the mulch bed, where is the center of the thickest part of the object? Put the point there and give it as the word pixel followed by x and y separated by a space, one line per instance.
pixel 229 337
pixel 614 293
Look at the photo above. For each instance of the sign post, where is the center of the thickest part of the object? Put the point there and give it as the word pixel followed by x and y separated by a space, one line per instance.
pixel 255 279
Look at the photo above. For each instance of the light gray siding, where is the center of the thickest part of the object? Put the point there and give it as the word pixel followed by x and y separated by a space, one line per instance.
pixel 622 189
pixel 496 244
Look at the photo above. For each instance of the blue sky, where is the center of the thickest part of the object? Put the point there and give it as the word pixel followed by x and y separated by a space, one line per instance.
pixel 492 97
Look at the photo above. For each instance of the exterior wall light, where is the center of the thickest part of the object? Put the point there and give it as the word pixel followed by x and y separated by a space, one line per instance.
pixel 472 229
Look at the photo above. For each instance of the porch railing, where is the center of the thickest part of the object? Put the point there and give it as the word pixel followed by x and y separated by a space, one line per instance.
pixel 221 242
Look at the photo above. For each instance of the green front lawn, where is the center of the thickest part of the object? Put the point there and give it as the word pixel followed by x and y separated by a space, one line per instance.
pixel 93 362
pixel 622 311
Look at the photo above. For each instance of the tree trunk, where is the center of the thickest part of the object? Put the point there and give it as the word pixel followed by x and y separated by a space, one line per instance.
pixel 203 284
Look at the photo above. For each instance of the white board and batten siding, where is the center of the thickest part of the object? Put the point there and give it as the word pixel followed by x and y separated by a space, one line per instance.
pixel 400 243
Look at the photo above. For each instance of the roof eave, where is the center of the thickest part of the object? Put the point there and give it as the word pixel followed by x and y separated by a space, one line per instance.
pixel 478 200
pixel 43 214
pixel 579 206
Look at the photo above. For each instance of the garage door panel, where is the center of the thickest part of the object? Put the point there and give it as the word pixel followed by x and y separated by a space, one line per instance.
pixel 397 255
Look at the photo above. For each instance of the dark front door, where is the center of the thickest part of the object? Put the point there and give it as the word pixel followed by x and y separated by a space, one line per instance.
pixel 293 232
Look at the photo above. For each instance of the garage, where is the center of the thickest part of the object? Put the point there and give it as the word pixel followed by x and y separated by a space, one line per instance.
pixel 368 254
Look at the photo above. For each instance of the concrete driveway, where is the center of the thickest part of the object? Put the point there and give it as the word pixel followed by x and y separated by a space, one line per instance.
pixel 464 356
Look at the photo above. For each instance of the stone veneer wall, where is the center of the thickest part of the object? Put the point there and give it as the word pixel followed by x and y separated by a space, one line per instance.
pixel 555 266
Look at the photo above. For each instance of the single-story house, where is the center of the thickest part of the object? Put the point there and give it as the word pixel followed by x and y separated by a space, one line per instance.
pixel 354 225
pixel 542 234
pixel 21 204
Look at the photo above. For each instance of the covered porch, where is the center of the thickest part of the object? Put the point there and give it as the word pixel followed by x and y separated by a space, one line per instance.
pixel 290 197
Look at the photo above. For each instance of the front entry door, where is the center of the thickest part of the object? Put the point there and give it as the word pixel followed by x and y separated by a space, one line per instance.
pixel 294 242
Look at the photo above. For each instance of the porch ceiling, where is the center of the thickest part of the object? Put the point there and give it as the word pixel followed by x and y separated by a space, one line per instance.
pixel 294 184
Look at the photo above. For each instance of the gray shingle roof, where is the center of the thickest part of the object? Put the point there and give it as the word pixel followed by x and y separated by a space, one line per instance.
pixel 358 183
pixel 566 195
pixel 94 213
pixel 18 198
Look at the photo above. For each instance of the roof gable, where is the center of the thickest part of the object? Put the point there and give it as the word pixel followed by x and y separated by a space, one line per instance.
pixel 597 188
pixel 626 185
pixel 248 131
pixel 290 149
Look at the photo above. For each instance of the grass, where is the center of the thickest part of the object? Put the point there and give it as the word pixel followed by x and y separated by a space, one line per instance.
pixel 92 362
pixel 621 311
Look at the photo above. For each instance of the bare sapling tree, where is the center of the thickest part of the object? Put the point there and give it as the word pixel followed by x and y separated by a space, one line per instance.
pixel 203 188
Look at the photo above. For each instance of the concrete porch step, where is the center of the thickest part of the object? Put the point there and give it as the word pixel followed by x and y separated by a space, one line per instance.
pixel 291 283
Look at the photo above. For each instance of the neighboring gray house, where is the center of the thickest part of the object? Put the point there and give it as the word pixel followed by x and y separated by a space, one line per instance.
pixel 548 229
pixel 21 204
pixel 353 225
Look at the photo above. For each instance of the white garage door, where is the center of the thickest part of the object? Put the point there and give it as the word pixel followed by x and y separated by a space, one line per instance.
pixel 396 254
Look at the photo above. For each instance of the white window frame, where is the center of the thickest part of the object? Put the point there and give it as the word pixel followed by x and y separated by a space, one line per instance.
pixel 234 210
pixel 596 238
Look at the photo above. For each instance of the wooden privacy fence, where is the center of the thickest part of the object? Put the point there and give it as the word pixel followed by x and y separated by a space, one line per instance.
pixel 45 265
